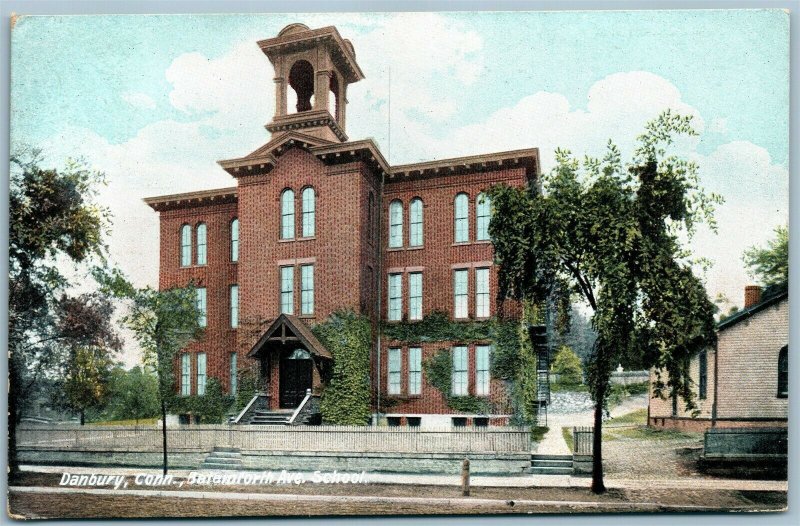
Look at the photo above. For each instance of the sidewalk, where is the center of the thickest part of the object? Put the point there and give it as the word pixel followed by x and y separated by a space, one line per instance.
pixel 515 481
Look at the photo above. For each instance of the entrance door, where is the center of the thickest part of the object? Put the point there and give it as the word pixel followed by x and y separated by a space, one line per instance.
pixel 295 378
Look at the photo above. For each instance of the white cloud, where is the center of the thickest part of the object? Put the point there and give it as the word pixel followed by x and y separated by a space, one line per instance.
pixel 618 107
pixel 139 100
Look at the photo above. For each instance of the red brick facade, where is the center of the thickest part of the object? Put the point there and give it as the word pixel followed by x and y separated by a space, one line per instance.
pixel 353 187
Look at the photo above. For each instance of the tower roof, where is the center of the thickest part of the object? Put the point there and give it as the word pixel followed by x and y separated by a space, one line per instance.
pixel 296 37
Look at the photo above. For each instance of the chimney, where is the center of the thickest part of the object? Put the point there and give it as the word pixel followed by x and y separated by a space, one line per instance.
pixel 752 295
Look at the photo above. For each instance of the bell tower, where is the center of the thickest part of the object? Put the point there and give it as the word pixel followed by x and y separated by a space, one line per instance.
pixel 313 68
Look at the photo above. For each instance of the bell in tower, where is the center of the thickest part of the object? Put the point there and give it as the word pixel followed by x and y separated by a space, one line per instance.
pixel 316 65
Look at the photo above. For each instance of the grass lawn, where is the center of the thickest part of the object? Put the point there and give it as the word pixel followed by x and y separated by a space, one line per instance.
pixel 638 417
pixel 644 433
pixel 566 432
pixel 141 422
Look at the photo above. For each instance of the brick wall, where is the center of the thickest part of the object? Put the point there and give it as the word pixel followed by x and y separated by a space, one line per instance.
pixel 748 365
pixel 747 378
pixel 345 250
pixel 216 276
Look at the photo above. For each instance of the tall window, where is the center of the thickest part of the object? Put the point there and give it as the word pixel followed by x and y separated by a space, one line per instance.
pixel 394 372
pixel 483 213
pixel 783 372
pixel 200 298
pixel 395 224
pixel 186 374
pixel 481 370
pixel 234 306
pixel 202 255
pixel 414 370
pixel 186 245
pixel 309 212
pixel 307 289
pixel 234 373
pixel 461 226
pixel 415 296
pixel 460 299
pixel 395 297
pixel 703 366
pixel 201 373
pixel 415 223
pixel 287 290
pixel 481 292
pixel 460 368
pixel 235 240
pixel 287 214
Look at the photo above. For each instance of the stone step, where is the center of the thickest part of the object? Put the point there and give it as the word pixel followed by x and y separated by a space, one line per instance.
pixel 552 463
pixel 267 412
pixel 226 449
pixel 222 460
pixel 536 456
pixel 226 454
pixel 269 420
pixel 216 466
pixel 549 471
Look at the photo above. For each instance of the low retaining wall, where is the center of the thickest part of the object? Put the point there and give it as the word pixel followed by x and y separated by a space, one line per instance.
pixel 748 452
pixel 433 463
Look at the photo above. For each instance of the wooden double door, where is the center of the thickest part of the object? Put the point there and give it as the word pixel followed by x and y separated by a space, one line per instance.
pixel 296 376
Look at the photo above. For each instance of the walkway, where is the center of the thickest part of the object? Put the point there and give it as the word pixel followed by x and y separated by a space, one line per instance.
pixel 553 441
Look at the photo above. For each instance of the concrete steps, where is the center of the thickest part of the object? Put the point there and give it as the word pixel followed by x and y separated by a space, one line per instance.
pixel 223 458
pixel 264 417
pixel 550 465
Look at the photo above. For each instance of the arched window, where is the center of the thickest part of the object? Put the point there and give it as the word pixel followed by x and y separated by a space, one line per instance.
pixel 235 240
pixel 415 222
pixel 186 245
pixel 309 212
pixel 396 224
pixel 461 226
pixel 483 212
pixel 202 254
pixel 287 214
pixel 783 372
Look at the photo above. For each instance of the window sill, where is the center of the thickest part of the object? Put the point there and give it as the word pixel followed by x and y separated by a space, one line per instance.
pixel 395 249
pixel 483 241
pixel 306 316
pixel 420 247
pixel 288 240
pixel 311 238
pixel 461 243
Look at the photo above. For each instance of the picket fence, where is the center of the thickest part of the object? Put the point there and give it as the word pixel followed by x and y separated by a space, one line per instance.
pixel 354 439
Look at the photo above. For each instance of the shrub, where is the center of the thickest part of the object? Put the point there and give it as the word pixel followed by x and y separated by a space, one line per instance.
pixel 567 364
pixel 346 399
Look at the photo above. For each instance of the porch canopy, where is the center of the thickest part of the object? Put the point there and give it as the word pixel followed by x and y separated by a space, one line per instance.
pixel 288 330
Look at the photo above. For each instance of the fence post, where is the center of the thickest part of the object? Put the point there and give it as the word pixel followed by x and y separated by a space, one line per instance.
pixel 465 477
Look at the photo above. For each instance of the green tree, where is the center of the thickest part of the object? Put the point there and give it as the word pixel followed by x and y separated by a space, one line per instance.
pixel 611 234
pixel 53 220
pixel 163 322
pixel 568 366
pixel 770 265
pixel 86 384
pixel 346 399
pixel 133 395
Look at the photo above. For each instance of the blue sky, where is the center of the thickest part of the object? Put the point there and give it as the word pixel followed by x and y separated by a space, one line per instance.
pixel 155 100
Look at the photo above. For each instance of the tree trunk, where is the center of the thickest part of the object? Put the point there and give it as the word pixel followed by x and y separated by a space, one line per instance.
pixel 597 447
pixel 83 418
pixel 164 431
